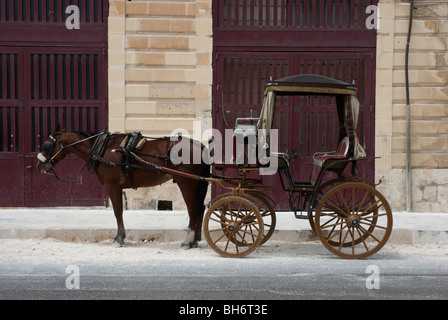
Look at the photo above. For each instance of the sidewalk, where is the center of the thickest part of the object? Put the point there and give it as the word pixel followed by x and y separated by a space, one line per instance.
pixel 98 224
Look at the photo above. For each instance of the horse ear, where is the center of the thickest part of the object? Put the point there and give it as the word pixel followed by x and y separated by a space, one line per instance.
pixel 58 128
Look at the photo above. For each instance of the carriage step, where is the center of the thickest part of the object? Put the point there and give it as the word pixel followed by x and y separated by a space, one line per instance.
pixel 301 215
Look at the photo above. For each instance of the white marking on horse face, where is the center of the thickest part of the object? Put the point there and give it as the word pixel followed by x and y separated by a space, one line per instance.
pixel 41 158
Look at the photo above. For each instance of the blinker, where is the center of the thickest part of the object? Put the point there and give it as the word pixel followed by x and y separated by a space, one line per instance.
pixel 48 147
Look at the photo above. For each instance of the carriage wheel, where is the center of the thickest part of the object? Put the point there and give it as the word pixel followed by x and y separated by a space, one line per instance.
pixel 324 188
pixel 266 208
pixel 233 226
pixel 353 220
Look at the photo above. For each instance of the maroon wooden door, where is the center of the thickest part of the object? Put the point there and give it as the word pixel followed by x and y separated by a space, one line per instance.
pixel 258 40
pixel 12 160
pixel 50 75
pixel 315 122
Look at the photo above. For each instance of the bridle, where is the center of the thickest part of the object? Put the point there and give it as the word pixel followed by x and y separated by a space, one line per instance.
pixel 48 147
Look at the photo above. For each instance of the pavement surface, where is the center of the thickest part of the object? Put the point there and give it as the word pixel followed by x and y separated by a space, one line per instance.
pixel 98 224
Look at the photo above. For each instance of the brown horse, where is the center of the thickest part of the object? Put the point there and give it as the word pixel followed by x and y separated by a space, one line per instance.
pixel 112 175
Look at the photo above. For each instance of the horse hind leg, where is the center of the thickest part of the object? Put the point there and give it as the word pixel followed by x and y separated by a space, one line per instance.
pixel 199 209
pixel 196 207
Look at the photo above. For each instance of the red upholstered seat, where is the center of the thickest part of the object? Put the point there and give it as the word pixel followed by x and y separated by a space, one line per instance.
pixel 321 157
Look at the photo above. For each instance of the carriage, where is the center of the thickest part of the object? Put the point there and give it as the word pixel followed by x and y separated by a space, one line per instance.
pixel 351 218
pixel 349 215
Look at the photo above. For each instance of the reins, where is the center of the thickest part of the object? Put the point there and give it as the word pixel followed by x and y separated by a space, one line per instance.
pixel 70 145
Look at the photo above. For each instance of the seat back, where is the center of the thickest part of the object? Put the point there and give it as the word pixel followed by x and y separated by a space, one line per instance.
pixel 341 151
pixel 321 158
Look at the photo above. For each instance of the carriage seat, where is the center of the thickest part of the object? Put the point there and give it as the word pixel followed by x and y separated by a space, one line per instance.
pixel 340 153
pixel 329 158
pixel 320 159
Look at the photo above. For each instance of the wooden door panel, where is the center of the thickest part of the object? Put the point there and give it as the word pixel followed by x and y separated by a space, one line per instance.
pixel 65 87
pixel 49 75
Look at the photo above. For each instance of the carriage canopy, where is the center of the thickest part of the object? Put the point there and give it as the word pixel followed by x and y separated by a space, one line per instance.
pixel 309 84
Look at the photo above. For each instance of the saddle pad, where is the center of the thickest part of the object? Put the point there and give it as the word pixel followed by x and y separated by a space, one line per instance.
pixel 133 141
pixel 97 151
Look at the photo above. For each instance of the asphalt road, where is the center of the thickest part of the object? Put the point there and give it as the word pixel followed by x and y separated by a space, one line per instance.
pixel 275 272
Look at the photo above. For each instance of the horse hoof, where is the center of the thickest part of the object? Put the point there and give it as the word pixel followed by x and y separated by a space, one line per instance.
pixel 185 246
pixel 194 244
pixel 116 244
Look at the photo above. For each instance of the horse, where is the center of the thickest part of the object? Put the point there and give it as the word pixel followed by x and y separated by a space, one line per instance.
pixel 110 171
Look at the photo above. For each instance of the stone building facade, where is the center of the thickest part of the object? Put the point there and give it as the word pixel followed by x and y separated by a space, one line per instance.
pixel 160 79
pixel 428 93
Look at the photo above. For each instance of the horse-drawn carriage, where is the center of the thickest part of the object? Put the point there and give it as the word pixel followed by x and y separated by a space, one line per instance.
pixel 351 218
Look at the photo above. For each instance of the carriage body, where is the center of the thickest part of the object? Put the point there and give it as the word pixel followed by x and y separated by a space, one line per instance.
pixel 351 218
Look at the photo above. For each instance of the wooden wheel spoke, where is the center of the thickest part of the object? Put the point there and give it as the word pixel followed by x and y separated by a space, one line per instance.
pixel 369 233
pixel 334 207
pixel 224 234
pixel 337 233
pixel 361 203
pixel 371 224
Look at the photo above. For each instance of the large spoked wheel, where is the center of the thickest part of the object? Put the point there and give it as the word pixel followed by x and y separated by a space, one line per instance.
pixel 353 220
pixel 233 226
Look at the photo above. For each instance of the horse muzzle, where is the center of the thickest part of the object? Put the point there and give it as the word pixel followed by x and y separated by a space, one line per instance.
pixel 43 165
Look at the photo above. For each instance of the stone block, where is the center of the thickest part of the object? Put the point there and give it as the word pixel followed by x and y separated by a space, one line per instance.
pixel 430 10
pixel 421 43
pixel 136 7
pixel 169 42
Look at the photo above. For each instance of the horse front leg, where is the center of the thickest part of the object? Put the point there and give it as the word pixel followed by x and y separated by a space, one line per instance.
pixel 189 241
pixel 115 195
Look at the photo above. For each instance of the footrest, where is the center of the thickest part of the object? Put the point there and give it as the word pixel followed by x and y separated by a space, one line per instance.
pixel 303 186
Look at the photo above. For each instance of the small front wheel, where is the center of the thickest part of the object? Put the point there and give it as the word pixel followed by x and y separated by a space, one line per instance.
pixel 233 226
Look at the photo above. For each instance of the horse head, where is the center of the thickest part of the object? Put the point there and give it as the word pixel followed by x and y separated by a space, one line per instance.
pixel 53 151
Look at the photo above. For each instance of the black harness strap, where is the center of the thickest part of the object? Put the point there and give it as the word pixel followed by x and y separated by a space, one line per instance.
pixel 97 151
pixel 130 156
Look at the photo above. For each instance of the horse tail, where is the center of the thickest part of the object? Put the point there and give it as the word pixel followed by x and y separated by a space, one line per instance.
pixel 199 204
pixel 202 189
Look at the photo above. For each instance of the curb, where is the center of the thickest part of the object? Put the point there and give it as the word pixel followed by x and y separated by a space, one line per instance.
pixel 96 225
pixel 398 236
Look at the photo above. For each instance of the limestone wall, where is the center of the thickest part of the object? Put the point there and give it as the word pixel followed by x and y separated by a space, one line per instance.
pixel 160 75
pixel 428 77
